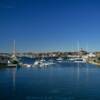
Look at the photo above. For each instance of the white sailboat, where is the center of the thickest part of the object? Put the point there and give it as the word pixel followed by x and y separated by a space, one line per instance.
pixel 79 59
pixel 13 60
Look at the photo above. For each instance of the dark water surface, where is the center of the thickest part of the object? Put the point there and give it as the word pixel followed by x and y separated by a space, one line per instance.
pixel 64 81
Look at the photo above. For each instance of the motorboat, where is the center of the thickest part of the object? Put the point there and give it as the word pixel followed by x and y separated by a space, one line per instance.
pixel 27 65
pixel 79 60
pixel 59 59
pixel 42 63
pixel 36 63
pixel 39 62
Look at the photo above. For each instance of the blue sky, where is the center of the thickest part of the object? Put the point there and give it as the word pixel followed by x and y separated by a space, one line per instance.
pixel 49 25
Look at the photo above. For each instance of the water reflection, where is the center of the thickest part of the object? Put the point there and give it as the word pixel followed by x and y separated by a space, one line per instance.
pixel 78 71
pixel 14 78
pixel 63 80
pixel 87 72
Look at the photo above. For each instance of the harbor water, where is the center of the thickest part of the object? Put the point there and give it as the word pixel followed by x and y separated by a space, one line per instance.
pixel 61 81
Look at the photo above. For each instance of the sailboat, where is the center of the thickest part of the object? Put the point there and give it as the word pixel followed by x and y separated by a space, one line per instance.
pixel 13 59
pixel 79 59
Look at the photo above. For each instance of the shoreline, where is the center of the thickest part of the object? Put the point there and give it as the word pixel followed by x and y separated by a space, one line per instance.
pixel 91 62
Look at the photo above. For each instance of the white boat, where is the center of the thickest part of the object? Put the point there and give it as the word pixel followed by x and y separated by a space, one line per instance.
pixel 42 60
pixel 59 59
pixel 27 65
pixel 42 63
pixel 13 59
pixel 36 63
pixel 80 60
pixel 51 63
pixel 72 59
pixel 39 62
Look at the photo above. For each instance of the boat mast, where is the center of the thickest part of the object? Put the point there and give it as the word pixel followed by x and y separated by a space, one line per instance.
pixel 87 47
pixel 14 49
pixel 78 48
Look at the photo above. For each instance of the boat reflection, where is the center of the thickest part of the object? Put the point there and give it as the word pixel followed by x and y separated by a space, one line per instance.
pixel 14 78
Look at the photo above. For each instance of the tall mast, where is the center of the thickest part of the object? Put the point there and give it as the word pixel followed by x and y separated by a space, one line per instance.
pixel 78 48
pixel 14 48
pixel 87 47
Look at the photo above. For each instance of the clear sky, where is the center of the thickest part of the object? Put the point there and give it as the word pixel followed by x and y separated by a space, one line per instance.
pixel 49 25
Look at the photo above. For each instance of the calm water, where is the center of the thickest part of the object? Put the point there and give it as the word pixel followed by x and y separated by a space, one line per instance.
pixel 66 81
